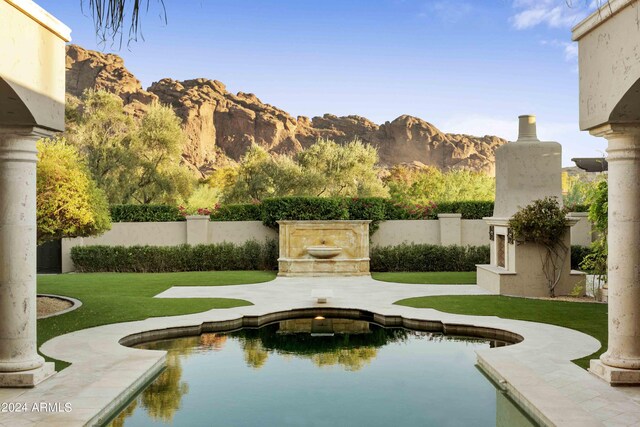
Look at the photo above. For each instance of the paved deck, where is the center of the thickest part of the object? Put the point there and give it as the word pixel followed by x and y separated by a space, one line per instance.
pixel 537 372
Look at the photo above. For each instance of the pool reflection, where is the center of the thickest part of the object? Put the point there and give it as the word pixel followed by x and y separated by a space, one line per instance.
pixel 376 357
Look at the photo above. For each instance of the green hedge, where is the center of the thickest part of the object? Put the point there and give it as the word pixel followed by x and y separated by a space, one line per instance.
pixel 578 208
pixel 251 255
pixel 414 257
pixel 577 255
pixel 315 208
pixel 239 212
pixel 468 209
pixel 303 208
pixel 145 213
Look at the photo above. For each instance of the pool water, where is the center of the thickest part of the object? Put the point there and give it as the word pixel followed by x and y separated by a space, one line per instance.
pixel 323 372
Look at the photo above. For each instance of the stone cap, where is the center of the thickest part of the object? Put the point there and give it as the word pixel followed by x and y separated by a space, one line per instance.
pixel 322 221
pixel 578 214
pixel 449 215
pixel 606 11
pixel 197 217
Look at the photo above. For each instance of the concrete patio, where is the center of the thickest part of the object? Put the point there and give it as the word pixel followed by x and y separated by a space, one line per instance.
pixel 537 373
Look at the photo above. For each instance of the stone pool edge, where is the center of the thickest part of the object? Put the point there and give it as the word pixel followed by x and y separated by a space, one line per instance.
pixel 105 372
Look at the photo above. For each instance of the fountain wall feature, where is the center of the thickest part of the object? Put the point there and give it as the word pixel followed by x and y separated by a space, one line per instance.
pixel 324 248
pixel 526 170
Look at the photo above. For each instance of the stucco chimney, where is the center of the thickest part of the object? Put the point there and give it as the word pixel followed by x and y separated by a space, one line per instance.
pixel 527 129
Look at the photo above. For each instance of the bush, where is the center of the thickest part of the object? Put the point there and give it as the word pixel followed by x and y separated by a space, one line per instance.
pixel 368 208
pixel 468 209
pixel 578 208
pixel 239 212
pixel 400 211
pixel 145 213
pixel 422 257
pixel 303 208
pixel 251 255
pixel 578 254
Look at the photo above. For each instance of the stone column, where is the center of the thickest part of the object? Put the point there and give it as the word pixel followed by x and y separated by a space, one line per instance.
pixel 621 363
pixel 20 364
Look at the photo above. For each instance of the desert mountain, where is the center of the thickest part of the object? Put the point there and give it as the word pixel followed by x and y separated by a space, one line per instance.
pixel 221 125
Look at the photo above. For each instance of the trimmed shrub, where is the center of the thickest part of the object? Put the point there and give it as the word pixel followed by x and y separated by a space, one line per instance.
pixel 577 208
pixel 251 255
pixel 469 209
pixel 422 257
pixel 308 208
pixel 368 208
pixel 578 253
pixel 303 208
pixel 399 211
pixel 239 212
pixel 145 213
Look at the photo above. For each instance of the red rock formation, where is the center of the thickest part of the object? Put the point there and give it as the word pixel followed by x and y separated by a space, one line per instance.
pixel 220 125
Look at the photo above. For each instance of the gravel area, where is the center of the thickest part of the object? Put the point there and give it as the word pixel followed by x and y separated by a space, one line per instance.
pixel 48 305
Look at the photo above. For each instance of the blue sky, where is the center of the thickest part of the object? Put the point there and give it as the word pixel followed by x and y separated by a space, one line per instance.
pixel 467 66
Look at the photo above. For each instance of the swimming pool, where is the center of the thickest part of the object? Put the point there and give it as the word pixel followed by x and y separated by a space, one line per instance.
pixel 317 371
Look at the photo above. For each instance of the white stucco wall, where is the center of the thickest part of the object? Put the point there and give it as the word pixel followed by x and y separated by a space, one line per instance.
pixel 448 230
pixel 475 232
pixel 393 233
pixel 239 232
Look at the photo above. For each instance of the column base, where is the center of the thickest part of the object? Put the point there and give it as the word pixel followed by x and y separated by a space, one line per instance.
pixel 615 376
pixel 27 378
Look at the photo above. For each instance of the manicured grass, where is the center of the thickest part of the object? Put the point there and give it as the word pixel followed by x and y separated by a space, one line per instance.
pixel 589 318
pixel 123 297
pixel 430 277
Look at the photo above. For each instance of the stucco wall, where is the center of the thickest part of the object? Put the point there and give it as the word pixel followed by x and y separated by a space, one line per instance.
pixel 475 232
pixel 239 232
pixel 449 229
pixel 129 234
pixel 393 233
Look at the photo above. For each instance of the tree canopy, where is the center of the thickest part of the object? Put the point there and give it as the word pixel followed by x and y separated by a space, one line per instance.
pixel 69 203
pixel 132 161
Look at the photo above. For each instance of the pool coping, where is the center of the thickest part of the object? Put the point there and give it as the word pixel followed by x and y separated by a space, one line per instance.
pixel 537 373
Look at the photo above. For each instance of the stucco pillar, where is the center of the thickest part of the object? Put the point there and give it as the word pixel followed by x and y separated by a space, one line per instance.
pixel 622 359
pixel 20 364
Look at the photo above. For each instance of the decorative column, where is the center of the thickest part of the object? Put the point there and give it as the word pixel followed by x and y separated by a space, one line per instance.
pixel 621 363
pixel 20 364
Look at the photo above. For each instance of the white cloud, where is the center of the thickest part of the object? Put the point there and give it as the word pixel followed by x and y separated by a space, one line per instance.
pixel 552 13
pixel 570 49
pixel 449 11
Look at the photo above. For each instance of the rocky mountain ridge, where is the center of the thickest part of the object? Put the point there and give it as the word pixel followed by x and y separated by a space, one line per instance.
pixel 221 126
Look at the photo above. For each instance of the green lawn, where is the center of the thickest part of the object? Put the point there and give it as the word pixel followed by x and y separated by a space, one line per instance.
pixel 431 277
pixel 589 318
pixel 122 297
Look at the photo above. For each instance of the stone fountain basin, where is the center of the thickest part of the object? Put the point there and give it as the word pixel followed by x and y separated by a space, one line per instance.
pixel 323 251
